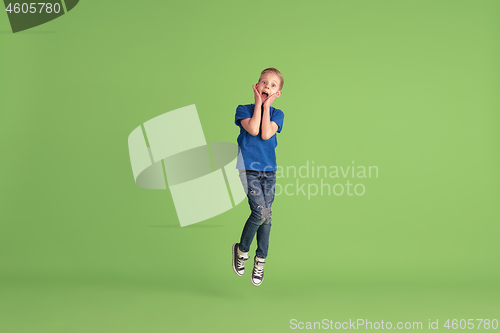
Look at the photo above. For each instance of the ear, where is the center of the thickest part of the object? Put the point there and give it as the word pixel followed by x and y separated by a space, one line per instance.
pixel 279 93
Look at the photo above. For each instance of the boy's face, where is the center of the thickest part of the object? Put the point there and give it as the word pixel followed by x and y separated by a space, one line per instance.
pixel 268 84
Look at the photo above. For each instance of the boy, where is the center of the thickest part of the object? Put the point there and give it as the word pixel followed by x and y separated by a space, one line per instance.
pixel 256 162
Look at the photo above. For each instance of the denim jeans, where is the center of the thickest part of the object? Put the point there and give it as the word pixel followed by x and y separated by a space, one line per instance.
pixel 260 185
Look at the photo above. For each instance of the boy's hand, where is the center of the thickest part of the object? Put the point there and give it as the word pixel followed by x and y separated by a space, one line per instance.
pixel 271 99
pixel 258 98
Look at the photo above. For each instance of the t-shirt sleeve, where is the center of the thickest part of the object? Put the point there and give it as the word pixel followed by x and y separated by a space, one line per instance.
pixel 242 112
pixel 278 117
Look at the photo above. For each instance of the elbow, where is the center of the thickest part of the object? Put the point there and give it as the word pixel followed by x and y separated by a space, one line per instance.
pixel 265 137
pixel 253 131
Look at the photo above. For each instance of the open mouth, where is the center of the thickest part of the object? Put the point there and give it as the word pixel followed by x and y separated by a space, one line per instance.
pixel 265 95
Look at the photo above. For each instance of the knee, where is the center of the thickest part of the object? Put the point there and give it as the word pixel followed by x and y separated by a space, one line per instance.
pixel 266 214
pixel 261 215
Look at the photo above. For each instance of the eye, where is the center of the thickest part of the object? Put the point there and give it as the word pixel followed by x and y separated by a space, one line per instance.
pixel 264 82
pixel 274 85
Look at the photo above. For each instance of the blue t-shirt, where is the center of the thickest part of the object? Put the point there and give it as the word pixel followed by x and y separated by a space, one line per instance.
pixel 256 153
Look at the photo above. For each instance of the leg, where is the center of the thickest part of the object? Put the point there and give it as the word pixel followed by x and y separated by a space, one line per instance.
pixel 268 185
pixel 256 200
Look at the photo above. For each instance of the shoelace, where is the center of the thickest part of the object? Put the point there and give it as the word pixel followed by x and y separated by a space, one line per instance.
pixel 258 270
pixel 241 262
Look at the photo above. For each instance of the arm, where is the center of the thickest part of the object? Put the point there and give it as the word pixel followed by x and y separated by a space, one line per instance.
pixel 251 125
pixel 269 127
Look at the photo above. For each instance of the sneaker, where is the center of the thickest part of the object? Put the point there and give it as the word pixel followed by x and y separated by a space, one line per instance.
pixel 258 271
pixel 239 259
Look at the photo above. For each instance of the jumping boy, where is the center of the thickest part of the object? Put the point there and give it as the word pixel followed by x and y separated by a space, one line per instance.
pixel 256 162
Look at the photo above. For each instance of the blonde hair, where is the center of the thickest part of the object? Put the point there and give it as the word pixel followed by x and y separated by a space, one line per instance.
pixel 274 71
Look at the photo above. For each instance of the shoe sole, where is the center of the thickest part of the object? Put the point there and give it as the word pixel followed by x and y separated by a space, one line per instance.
pixel 234 259
pixel 255 283
pixel 251 279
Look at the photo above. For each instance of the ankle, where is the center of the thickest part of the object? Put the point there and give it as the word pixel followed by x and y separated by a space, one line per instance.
pixel 241 253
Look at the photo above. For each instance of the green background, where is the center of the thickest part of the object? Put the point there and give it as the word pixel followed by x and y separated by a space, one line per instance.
pixel 408 86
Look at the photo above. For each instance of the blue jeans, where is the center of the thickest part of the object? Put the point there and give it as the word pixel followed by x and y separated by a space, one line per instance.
pixel 260 195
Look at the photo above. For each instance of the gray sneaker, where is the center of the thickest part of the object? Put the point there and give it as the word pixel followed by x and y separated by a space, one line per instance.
pixel 238 261
pixel 258 271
